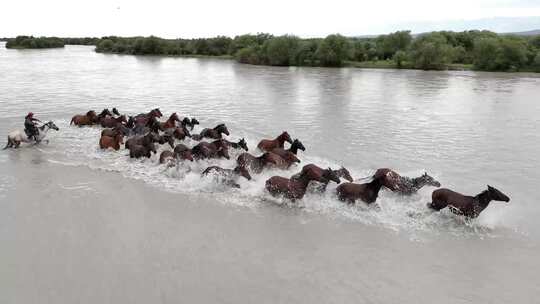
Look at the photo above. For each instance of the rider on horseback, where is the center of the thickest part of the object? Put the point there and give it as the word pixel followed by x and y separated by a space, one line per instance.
pixel 30 126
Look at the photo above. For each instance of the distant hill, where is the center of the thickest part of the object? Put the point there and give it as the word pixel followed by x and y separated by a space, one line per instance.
pixel 526 33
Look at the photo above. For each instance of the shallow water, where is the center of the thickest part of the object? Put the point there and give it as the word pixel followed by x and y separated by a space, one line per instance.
pixel 466 129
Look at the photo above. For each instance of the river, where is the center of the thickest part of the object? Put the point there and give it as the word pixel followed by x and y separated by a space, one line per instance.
pixel 82 225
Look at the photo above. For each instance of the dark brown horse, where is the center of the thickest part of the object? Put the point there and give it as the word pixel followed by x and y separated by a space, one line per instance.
pixel 270 144
pixel 292 189
pixel 106 142
pixel 183 152
pixel 137 151
pixel 469 206
pixel 241 144
pixel 119 128
pixel 228 176
pixel 295 146
pixel 109 121
pixel 368 192
pixel 179 133
pixel 402 184
pixel 321 175
pixel 170 123
pixel 288 159
pixel 103 114
pixel 147 139
pixel 257 164
pixel 84 120
pixel 214 133
pixel 205 150
pixel 144 119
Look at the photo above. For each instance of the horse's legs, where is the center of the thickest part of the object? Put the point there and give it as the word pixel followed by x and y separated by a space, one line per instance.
pixel 17 144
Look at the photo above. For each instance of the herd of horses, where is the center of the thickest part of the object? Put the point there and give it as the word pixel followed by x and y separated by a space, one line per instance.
pixel 143 132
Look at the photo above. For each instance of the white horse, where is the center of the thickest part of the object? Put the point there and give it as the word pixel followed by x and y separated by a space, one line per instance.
pixel 15 138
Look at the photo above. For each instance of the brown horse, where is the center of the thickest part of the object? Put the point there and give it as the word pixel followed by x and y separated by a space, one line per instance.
pixel 241 144
pixel 228 176
pixel 119 128
pixel 106 142
pixel 270 144
pixel 402 184
pixel 103 114
pixel 257 164
pixel 295 146
pixel 469 206
pixel 147 139
pixel 109 121
pixel 292 189
pixel 288 159
pixel 170 123
pixel 179 133
pixel 205 150
pixel 137 151
pixel 84 120
pixel 367 192
pixel 144 119
pixel 214 133
pixel 183 152
pixel 168 156
pixel 321 175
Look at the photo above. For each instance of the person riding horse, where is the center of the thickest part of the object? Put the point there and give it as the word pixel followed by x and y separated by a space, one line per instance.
pixel 30 126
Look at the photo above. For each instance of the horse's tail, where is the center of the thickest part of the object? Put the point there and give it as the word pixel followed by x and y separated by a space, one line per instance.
pixel 8 144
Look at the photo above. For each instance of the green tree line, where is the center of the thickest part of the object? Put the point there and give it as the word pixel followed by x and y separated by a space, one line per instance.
pixel 30 42
pixel 481 50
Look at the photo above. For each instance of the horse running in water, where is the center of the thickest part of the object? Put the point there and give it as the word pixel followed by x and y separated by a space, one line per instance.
pixel 469 206
pixel 268 145
pixel 403 184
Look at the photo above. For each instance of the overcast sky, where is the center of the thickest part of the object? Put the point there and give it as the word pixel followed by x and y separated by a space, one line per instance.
pixel 200 18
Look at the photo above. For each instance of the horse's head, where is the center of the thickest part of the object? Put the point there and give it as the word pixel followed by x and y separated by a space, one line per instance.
pixel 119 137
pixel 115 111
pixel 286 137
pixel 429 180
pixel 242 171
pixel 174 117
pixel 157 112
pixel 331 175
pixel 497 195
pixel 243 144
pixel 297 144
pixel 131 122
pixel 105 112
pixel 221 128
pixel 51 125
pixel 194 122
pixel 344 173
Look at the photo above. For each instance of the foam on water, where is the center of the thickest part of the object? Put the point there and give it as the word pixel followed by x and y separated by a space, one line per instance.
pixel 79 146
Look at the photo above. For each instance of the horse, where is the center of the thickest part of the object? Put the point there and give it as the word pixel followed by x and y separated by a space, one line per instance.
pixel 214 133
pixel 119 128
pixel 257 164
pixel 287 160
pixel 321 175
pixel 84 120
pixel 106 142
pixel 367 192
pixel 102 115
pixel 295 146
pixel 15 138
pixel 150 137
pixel 241 144
pixel 468 206
pixel 402 184
pixel 268 145
pixel 170 123
pixel 109 121
pixel 207 150
pixel 228 176
pixel 115 112
pixel 137 151
pixel 167 156
pixel 143 119
pixel 292 189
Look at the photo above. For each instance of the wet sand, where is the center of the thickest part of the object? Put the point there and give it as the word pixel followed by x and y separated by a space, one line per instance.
pixel 75 235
